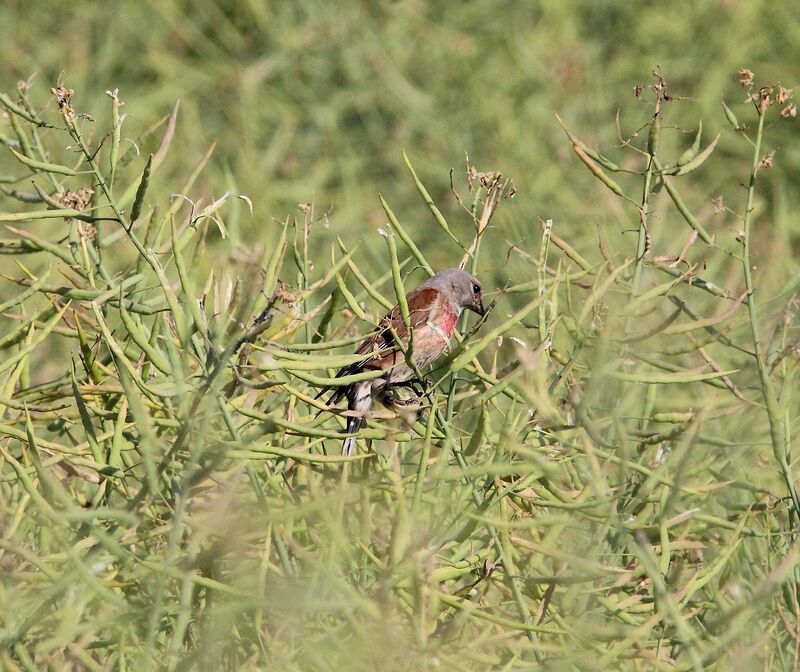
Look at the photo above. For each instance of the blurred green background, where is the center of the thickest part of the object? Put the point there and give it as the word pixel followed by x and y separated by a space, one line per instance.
pixel 315 101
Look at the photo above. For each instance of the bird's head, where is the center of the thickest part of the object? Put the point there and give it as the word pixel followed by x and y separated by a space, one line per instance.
pixel 463 289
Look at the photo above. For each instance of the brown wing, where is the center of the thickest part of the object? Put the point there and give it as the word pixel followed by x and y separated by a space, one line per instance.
pixel 380 349
pixel 420 303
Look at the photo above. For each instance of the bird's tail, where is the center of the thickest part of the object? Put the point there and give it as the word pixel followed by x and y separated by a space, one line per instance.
pixel 340 392
pixel 359 399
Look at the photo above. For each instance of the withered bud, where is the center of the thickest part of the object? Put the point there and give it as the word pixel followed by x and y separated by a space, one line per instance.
pixel 768 161
pixel 745 77
pixel 719 204
pixel 782 95
pixel 789 112
pixel 285 295
pixel 637 90
pixel 764 99
pixel 63 97
pixel 88 231
pixel 62 94
pixel 488 180
pixel 76 200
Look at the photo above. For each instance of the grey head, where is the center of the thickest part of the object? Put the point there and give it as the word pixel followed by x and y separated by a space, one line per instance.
pixel 462 288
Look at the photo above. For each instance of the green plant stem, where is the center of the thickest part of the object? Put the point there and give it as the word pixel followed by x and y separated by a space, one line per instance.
pixel 641 245
pixel 777 433
pixel 76 135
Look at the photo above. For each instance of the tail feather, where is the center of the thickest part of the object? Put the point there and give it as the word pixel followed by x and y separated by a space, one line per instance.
pixel 340 393
pixel 359 399
pixel 349 445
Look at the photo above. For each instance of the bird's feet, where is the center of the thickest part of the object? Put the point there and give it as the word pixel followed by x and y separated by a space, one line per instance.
pixel 419 387
pixel 393 400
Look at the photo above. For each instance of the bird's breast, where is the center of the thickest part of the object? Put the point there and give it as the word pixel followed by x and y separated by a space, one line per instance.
pixel 448 321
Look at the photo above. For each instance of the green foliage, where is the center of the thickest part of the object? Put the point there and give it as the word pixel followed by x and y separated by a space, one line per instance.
pixel 600 475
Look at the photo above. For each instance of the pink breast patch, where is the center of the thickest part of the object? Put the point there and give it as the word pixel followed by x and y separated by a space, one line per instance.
pixel 449 319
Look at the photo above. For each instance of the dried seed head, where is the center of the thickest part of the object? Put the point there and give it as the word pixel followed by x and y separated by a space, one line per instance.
pixel 782 95
pixel 77 200
pixel 768 161
pixel 789 112
pixel 488 180
pixel 719 204
pixel 764 99
pixel 745 77
pixel 63 97
pixel 285 295
pixel 88 231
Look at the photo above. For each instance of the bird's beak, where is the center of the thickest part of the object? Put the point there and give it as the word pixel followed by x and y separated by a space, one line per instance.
pixel 478 308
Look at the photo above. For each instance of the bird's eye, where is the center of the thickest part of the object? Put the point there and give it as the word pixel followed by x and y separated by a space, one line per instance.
pixel 476 289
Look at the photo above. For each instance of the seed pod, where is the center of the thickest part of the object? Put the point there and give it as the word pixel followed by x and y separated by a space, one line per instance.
pixel 602 160
pixel 43 166
pixel 730 116
pixel 697 161
pixel 690 153
pixel 20 112
pixel 655 134
pixel 116 134
pixel 597 171
pixel 681 206
pixel 599 158
pixel 136 210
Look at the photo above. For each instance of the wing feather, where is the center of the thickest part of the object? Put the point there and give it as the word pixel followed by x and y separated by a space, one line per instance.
pixel 381 343
pixel 381 346
pixel 420 303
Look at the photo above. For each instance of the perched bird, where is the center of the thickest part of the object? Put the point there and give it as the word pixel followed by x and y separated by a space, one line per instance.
pixel 434 308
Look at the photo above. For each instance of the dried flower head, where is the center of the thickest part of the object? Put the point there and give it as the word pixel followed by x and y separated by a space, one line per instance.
pixel 88 231
pixel 285 295
pixel 789 112
pixel 660 87
pixel 77 200
pixel 63 97
pixel 764 99
pixel 719 204
pixel 782 95
pixel 745 77
pixel 768 161
pixel 488 180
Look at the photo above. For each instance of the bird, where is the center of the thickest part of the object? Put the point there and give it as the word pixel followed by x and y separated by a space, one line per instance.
pixel 434 308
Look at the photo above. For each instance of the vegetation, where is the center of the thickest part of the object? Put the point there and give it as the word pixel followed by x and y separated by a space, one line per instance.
pixel 601 473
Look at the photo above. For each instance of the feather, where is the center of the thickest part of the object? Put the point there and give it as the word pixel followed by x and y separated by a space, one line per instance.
pixel 381 352
pixel 381 346
pixel 433 310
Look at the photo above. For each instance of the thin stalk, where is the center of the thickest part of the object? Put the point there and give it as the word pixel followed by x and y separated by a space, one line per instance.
pixel 776 428
pixel 641 244
pixel 101 181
